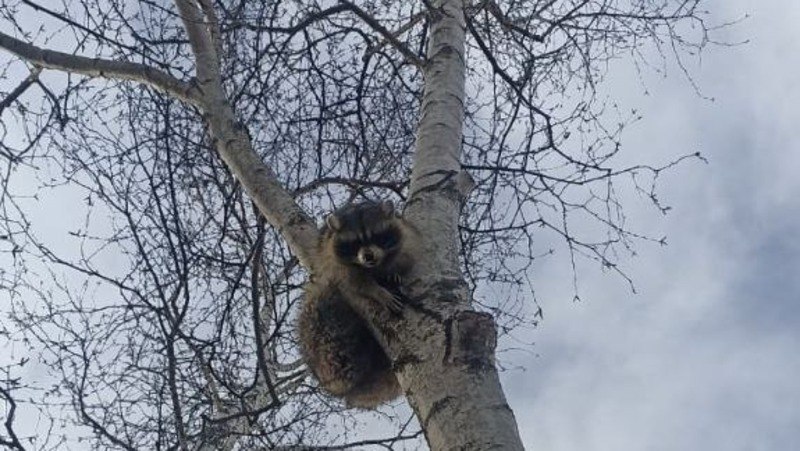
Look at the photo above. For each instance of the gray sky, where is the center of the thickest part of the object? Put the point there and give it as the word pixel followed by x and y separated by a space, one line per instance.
pixel 707 355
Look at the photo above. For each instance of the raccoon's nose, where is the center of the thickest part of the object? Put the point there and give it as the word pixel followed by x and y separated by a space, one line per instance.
pixel 369 257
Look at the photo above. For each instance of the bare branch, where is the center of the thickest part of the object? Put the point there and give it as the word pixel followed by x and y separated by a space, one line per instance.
pixel 202 42
pixel 212 23
pixel 13 441
pixel 23 86
pixel 388 35
pixel 98 67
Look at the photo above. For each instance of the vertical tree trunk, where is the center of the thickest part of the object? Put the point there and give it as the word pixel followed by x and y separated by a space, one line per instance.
pixel 443 350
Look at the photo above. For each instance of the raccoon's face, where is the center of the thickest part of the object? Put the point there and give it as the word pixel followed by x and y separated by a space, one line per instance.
pixel 370 256
pixel 365 235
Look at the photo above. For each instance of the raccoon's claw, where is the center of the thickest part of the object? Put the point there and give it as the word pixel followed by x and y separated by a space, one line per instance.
pixel 392 299
pixel 396 279
pixel 395 303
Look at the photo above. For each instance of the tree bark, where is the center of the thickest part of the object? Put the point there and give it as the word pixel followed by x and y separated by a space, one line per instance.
pixel 443 351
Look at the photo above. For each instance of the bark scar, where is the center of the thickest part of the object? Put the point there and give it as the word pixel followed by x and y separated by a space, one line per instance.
pixel 471 340
pixel 446 182
pixel 437 407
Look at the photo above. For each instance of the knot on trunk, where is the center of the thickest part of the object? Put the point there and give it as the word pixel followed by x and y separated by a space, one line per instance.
pixel 472 338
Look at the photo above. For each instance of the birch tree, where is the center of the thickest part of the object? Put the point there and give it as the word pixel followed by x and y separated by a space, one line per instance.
pixel 199 142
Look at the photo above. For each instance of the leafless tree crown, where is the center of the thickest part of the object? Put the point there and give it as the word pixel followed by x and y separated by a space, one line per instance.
pixel 145 282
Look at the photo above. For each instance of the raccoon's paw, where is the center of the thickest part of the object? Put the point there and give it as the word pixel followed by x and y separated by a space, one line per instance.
pixel 391 299
pixel 395 303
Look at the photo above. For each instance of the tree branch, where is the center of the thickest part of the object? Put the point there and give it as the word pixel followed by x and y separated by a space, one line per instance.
pixel 498 14
pixel 388 35
pixel 98 67
pixel 233 143
pixel 13 95
pixel 13 441
pixel 202 41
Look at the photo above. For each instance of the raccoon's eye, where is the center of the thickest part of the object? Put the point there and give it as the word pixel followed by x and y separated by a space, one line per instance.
pixel 347 249
pixel 387 239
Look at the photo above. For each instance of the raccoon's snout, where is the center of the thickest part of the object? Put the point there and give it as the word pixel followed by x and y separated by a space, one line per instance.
pixel 370 257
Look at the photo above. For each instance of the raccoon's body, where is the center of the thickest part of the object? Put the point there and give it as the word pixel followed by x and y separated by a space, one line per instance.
pixel 364 254
pixel 341 352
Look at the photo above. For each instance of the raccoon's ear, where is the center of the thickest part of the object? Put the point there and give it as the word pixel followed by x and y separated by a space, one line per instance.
pixel 387 207
pixel 333 222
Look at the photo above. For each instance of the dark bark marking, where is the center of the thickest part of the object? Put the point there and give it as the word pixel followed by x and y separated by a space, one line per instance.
pixel 445 184
pixel 436 408
pixel 472 340
pixel 427 312
pixel 448 339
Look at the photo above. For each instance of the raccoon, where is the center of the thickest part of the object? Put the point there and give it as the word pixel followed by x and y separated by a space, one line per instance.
pixel 365 252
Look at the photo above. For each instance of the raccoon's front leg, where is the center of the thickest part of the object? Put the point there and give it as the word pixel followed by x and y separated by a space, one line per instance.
pixel 379 294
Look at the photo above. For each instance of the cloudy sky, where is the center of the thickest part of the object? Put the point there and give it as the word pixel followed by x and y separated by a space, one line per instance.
pixel 707 355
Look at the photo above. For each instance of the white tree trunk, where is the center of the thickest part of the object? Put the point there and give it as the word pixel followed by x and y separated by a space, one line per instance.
pixel 442 349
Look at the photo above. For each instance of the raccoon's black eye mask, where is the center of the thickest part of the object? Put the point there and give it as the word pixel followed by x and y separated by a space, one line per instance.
pixel 386 239
pixel 348 249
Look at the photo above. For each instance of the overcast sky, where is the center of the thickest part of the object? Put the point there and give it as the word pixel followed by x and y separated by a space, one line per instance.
pixel 707 355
